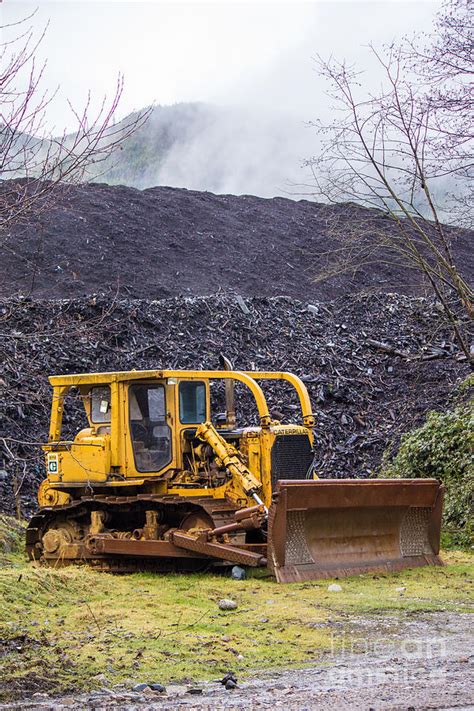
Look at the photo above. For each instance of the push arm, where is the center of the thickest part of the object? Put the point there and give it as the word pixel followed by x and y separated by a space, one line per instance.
pixel 231 459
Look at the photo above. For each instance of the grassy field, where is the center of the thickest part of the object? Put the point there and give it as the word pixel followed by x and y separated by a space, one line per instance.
pixel 60 628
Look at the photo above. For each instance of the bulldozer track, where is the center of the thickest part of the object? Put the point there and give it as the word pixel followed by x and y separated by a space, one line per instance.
pixel 221 512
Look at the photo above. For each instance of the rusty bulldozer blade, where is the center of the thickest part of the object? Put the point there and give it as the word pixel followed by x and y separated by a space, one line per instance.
pixel 328 528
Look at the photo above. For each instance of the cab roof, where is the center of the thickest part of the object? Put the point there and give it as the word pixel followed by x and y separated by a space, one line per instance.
pixel 126 375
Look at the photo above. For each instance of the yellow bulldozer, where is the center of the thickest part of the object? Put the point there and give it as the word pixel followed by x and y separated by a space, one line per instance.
pixel 158 480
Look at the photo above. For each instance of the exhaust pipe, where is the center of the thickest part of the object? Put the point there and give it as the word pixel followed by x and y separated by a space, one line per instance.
pixel 231 421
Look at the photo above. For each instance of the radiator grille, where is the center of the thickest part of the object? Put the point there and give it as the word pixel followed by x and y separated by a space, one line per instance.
pixel 291 457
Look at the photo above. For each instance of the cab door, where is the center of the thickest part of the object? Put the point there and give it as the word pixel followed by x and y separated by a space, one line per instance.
pixel 150 427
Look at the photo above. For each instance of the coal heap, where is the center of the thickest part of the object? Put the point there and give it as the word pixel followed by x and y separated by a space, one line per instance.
pixel 374 365
pixel 165 242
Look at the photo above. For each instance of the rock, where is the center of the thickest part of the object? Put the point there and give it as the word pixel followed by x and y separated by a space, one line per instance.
pixel 149 692
pixel 227 604
pixel 158 687
pixel 238 573
pixel 230 684
pixel 176 689
pixel 264 620
pixel 230 676
pixel 313 309
pixel 400 589
pixel 139 687
pixel 334 587
pixel 243 306
pixel 194 691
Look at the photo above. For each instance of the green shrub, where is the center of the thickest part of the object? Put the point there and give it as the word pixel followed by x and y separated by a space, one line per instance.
pixel 443 448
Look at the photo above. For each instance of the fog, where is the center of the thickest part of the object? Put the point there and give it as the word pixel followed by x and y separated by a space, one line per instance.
pixel 252 62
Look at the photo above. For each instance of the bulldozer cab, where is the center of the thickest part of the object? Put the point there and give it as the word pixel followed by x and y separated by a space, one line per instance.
pixel 142 426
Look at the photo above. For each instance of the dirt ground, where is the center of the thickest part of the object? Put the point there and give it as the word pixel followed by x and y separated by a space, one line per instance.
pixel 421 661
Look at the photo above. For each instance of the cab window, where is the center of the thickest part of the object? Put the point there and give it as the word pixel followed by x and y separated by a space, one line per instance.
pixel 192 402
pixel 150 433
pixel 100 404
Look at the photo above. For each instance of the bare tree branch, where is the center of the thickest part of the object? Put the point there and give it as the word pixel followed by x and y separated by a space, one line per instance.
pixel 36 165
pixel 394 151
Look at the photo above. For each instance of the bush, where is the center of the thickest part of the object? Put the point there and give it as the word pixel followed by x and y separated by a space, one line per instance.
pixel 443 448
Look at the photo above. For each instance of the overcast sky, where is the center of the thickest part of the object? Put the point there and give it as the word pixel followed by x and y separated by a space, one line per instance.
pixel 224 52
pixel 253 55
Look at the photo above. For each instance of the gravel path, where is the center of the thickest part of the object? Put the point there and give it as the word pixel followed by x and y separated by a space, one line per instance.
pixel 414 662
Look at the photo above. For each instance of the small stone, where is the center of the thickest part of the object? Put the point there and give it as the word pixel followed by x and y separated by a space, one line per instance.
pixel 264 620
pixel 243 306
pixel 313 309
pixel 139 687
pixel 226 604
pixel 238 573
pixel 400 590
pixel 334 587
pixel 176 689
pixel 194 691
pixel 230 684
pixel 158 687
pixel 229 676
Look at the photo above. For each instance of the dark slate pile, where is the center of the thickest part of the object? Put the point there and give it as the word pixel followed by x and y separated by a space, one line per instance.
pixel 374 365
pixel 165 242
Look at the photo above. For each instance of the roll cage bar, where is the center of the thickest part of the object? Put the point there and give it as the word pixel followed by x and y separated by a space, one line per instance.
pixel 62 383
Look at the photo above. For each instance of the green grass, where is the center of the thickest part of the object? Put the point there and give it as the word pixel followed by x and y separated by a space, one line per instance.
pixel 62 627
